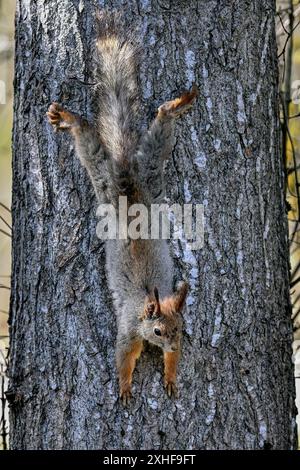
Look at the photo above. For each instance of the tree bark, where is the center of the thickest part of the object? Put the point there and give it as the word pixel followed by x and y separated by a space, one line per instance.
pixel 236 375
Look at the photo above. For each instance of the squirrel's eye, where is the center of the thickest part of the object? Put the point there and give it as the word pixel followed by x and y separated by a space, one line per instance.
pixel 157 332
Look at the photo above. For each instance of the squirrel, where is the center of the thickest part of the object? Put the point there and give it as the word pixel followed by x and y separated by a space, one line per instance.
pixel 119 162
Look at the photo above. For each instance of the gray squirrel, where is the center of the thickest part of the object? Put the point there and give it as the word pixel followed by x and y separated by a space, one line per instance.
pixel 139 272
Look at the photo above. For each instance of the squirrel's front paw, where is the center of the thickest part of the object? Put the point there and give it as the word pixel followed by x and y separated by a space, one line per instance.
pixel 60 118
pixel 171 388
pixel 125 395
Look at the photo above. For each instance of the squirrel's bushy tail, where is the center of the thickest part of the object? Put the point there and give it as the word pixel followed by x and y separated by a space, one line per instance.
pixel 116 88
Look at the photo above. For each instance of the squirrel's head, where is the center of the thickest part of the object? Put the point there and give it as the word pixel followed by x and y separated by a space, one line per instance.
pixel 161 321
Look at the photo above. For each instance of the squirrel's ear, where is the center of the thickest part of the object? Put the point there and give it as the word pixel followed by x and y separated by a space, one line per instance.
pixel 157 303
pixel 150 309
pixel 180 296
pixel 152 305
pixel 156 295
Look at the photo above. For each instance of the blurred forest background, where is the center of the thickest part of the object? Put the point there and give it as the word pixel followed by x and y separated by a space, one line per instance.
pixel 288 35
pixel 7 8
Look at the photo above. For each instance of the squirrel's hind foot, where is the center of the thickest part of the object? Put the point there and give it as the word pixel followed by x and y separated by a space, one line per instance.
pixel 179 106
pixel 61 119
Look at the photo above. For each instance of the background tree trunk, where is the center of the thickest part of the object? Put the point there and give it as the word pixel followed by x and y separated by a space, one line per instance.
pixel 236 375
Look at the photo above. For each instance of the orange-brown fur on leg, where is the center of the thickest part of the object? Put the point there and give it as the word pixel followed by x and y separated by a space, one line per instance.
pixel 171 360
pixel 126 363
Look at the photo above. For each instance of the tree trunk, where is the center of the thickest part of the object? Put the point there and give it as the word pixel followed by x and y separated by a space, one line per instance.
pixel 236 376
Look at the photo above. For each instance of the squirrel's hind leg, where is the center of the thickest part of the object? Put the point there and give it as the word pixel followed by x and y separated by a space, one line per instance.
pixel 157 143
pixel 88 147
pixel 126 360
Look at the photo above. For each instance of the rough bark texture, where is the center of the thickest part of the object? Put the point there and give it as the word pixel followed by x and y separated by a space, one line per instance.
pixel 236 376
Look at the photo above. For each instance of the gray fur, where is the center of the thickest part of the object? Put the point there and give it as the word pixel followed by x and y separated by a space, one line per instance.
pixel 116 88
pixel 94 159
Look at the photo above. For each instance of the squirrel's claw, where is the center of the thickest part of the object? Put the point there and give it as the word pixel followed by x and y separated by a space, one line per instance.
pixel 125 396
pixel 60 119
pixel 171 389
